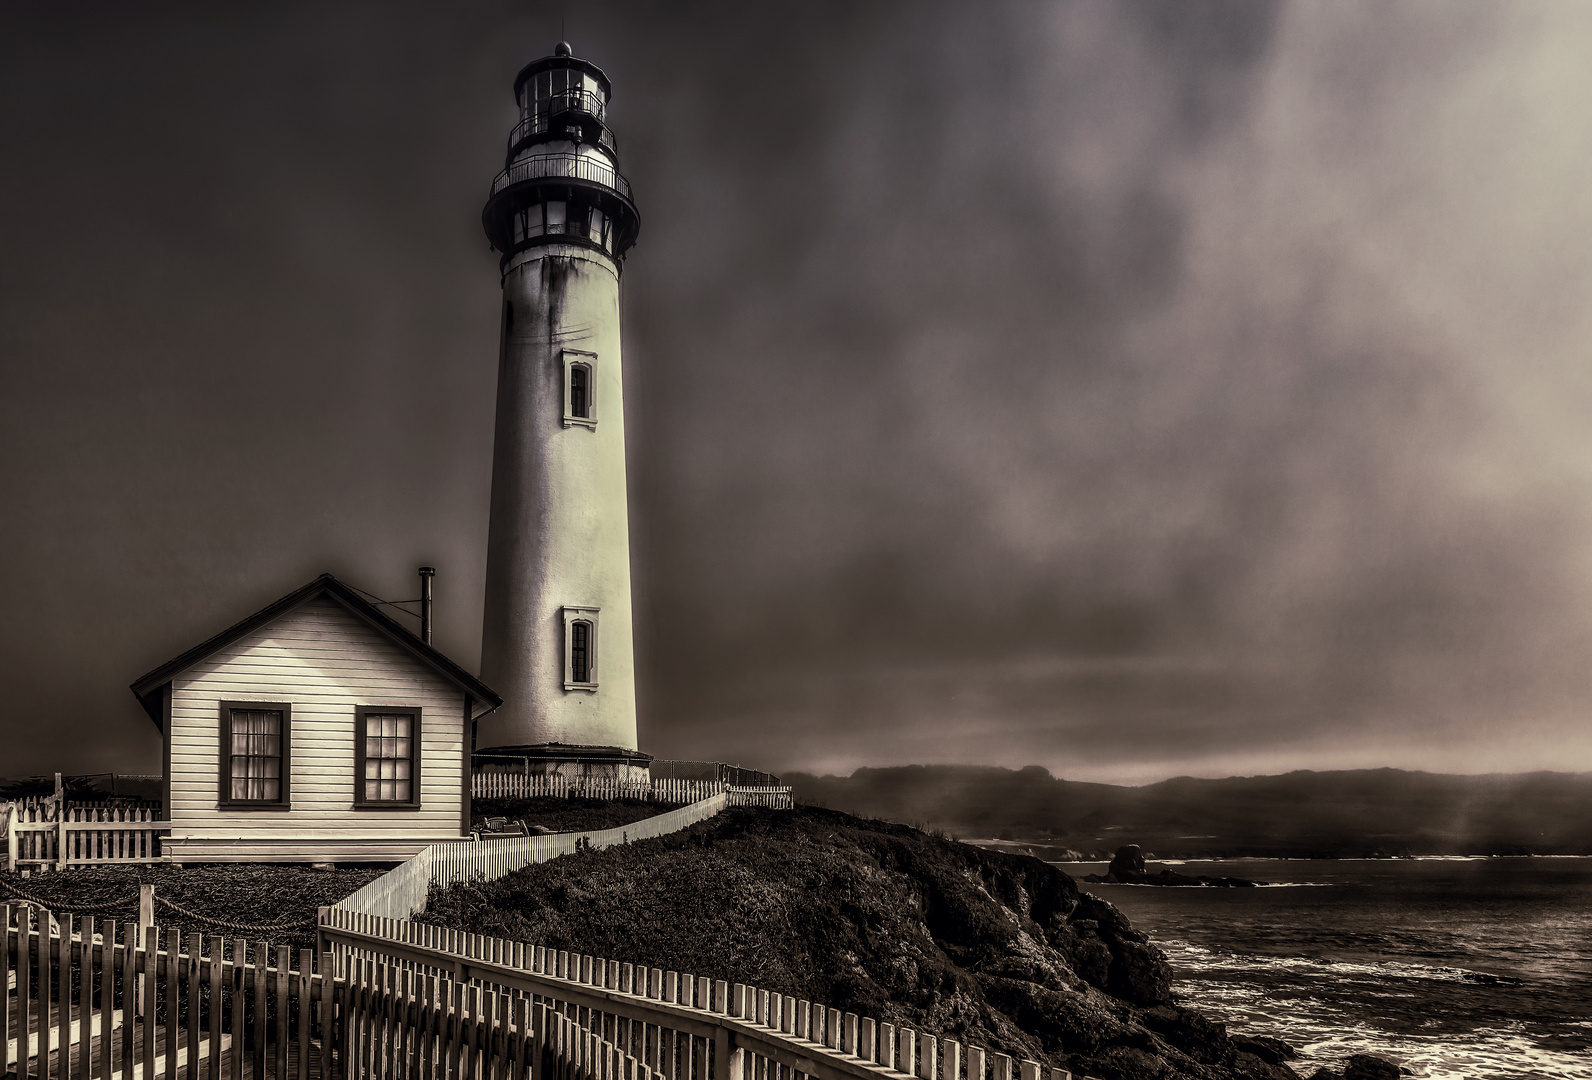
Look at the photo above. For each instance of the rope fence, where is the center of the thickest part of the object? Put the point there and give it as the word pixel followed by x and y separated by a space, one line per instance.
pixel 112 907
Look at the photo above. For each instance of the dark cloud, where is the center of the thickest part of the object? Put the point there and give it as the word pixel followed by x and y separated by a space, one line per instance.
pixel 1135 389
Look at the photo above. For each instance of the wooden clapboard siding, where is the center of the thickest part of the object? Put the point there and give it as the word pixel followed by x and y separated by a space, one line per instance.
pixel 323 661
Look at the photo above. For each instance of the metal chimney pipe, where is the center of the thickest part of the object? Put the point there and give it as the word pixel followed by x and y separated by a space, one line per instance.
pixel 426 574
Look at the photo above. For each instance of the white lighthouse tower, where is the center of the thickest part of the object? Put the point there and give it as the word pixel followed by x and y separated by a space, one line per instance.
pixel 556 640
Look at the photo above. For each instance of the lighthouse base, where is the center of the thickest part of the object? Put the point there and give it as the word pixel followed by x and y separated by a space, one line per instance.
pixel 573 765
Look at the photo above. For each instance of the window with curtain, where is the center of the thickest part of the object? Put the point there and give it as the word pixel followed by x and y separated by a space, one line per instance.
pixel 388 743
pixel 256 737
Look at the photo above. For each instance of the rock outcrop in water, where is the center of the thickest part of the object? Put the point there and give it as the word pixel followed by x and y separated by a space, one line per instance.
pixel 1127 868
pixel 1362 1067
pixel 1001 951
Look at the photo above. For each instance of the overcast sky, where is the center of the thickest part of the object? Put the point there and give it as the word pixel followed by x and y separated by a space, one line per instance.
pixel 1132 389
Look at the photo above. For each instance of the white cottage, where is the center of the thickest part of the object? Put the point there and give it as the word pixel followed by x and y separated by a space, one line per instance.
pixel 315 730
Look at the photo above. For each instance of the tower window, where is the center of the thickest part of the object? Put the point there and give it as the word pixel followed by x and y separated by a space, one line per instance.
pixel 580 648
pixel 580 651
pixel 580 388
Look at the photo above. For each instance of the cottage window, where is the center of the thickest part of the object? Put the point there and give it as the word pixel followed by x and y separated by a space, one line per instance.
pixel 580 388
pixel 255 757
pixel 580 648
pixel 388 765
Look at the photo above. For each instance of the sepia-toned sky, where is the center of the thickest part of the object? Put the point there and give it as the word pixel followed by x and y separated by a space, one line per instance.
pixel 1133 389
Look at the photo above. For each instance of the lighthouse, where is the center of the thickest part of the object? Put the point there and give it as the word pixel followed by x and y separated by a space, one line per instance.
pixel 556 637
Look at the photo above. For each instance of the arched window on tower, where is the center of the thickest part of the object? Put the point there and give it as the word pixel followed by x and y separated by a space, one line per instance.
pixel 580 648
pixel 580 652
pixel 580 388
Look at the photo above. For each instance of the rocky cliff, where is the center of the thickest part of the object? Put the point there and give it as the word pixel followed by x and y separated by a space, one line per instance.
pixel 1001 951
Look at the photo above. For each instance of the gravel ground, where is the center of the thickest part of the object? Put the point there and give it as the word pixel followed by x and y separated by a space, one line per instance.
pixel 264 895
pixel 255 895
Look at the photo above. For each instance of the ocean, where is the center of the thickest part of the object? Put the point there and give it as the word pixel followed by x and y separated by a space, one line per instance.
pixel 1478 969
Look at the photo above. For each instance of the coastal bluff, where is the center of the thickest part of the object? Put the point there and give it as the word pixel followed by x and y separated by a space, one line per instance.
pixel 998 950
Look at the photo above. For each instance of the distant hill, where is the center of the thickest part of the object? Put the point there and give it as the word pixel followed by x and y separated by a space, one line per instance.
pixel 96 787
pixel 1322 814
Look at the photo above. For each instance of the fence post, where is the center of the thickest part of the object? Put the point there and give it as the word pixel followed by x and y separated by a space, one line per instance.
pixel 60 825
pixel 146 921
pixel 14 818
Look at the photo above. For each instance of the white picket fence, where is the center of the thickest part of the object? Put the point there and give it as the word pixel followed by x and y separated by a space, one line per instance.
pixel 503 785
pixel 628 1021
pixel 48 834
pixel 401 893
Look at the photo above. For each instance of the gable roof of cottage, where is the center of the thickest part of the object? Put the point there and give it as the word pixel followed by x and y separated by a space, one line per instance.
pixel 147 687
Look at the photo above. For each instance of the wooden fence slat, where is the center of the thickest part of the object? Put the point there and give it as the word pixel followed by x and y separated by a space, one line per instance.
pixel 516 1069
pixel 370 1018
pixel 284 960
pixel 426 1043
pixel 149 942
pixel 414 1011
pixel 196 944
pixel 85 998
pixel 42 984
pixel 327 1013
pixel 129 988
pixel 173 1001
pixel 302 986
pixel 213 969
pixel 5 981
pixel 62 952
pixel 388 987
pixel 362 1055
pixel 359 1007
pixel 240 951
pixel 106 1006
pixel 262 957
pixel 24 982
pixel 455 1025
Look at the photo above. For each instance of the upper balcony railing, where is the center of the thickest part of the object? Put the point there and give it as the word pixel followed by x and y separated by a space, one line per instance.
pixel 562 167
pixel 537 123
pixel 562 101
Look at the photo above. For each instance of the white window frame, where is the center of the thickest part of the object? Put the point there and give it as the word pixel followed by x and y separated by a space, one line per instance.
pixel 573 615
pixel 570 360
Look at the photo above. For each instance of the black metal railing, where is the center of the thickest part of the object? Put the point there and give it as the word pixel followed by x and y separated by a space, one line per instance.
pixel 562 167
pixel 717 771
pixel 542 122
pixel 586 101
